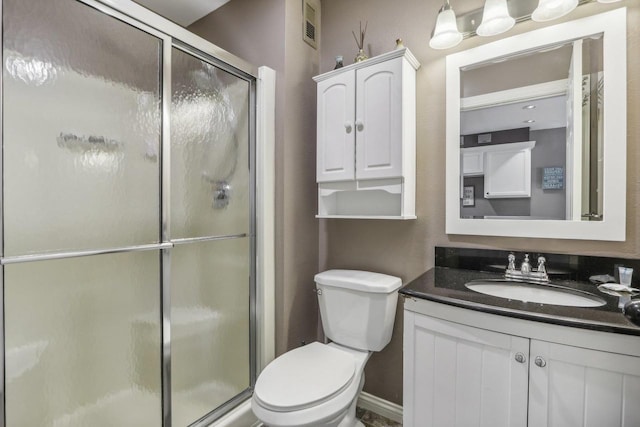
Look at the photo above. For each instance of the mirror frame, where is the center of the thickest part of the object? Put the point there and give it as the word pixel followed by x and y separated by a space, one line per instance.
pixel 613 25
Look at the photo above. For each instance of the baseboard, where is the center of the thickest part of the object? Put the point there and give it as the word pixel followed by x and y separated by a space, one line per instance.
pixel 380 406
pixel 365 401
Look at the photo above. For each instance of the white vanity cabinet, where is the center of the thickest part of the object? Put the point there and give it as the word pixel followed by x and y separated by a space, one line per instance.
pixel 456 375
pixel 366 138
pixel 572 386
pixel 513 372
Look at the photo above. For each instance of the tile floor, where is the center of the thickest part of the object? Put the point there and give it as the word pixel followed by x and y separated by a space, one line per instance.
pixel 371 419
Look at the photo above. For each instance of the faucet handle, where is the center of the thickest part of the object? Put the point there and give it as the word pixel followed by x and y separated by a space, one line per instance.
pixel 525 267
pixel 512 262
pixel 541 262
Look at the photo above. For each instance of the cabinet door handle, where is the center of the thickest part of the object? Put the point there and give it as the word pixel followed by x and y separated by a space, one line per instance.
pixel 359 125
pixel 539 361
pixel 348 127
pixel 520 357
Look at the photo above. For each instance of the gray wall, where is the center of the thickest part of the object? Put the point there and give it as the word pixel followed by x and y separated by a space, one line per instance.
pixel 406 248
pixel 550 151
pixel 269 32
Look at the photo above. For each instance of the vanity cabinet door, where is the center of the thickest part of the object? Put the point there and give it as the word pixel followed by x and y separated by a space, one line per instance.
pixel 379 113
pixel 507 174
pixel 456 375
pixel 336 128
pixel 571 386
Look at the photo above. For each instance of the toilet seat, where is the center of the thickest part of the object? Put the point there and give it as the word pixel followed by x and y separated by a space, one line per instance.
pixel 304 378
pixel 321 412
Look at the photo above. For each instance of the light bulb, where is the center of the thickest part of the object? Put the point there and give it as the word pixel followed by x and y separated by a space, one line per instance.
pixel 548 10
pixel 445 33
pixel 495 18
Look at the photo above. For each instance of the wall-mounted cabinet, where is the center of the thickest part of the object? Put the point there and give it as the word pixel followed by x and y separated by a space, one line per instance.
pixel 366 139
pixel 506 168
pixel 472 162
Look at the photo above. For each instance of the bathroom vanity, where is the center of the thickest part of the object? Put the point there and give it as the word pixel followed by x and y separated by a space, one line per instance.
pixel 478 360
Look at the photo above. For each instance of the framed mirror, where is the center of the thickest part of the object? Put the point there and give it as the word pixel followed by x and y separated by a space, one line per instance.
pixel 536 124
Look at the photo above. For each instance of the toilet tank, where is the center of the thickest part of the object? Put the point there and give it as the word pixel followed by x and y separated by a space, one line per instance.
pixel 358 308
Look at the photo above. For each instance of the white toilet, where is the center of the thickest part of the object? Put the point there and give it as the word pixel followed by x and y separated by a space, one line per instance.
pixel 318 384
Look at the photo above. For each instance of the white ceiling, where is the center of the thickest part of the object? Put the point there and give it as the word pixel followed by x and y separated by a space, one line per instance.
pixel 182 12
pixel 549 113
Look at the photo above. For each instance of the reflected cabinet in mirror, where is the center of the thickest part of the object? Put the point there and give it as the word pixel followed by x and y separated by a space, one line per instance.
pixel 536 133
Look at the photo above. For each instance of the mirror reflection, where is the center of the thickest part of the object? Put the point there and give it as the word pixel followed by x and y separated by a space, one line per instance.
pixel 531 134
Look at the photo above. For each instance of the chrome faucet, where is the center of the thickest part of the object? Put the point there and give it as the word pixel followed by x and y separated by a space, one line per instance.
pixel 526 273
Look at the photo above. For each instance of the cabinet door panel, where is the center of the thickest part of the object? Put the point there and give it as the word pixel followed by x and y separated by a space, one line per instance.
pixel 507 174
pixel 379 121
pixel 472 163
pixel 336 131
pixel 580 387
pixel 457 375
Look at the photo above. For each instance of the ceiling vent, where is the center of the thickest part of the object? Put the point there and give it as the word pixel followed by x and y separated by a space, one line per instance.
pixel 311 22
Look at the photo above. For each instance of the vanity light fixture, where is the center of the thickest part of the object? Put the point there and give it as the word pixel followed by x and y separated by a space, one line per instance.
pixel 445 34
pixel 548 10
pixel 495 18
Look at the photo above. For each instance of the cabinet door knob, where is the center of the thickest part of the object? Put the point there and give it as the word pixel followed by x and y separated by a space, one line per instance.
pixel 539 361
pixel 520 357
pixel 359 125
pixel 348 127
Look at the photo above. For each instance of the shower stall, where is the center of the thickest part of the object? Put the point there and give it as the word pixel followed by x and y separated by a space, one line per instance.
pixel 128 219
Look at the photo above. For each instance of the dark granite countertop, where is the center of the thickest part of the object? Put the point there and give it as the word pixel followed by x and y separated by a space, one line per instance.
pixel 447 285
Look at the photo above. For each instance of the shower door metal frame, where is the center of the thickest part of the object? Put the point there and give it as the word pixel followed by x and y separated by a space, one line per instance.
pixel 201 55
pixel 172 36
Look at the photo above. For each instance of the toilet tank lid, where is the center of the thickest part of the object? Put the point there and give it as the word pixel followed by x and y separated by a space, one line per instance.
pixel 365 281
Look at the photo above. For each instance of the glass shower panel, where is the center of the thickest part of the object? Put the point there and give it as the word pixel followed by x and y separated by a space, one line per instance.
pixel 209 149
pixel 81 129
pixel 83 341
pixel 209 326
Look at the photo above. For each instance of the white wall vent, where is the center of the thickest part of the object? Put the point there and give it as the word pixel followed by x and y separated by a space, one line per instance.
pixel 311 22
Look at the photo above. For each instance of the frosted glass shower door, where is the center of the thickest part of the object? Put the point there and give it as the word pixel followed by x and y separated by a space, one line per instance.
pixel 210 226
pixel 81 129
pixel 82 339
pixel 81 218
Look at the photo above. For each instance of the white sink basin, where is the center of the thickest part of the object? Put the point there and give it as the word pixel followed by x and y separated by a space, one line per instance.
pixel 536 293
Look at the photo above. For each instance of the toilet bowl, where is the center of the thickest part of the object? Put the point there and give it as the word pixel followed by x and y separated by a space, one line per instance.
pixel 314 385
pixel 318 384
